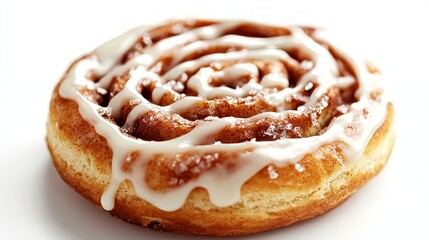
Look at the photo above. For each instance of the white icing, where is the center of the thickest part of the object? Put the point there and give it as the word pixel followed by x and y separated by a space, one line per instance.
pixel 159 92
pixel 274 80
pixel 130 92
pixel 111 52
pixel 223 186
pixel 200 81
pixel 237 71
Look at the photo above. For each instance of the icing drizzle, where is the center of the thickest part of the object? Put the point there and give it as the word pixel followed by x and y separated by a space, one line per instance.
pixel 223 186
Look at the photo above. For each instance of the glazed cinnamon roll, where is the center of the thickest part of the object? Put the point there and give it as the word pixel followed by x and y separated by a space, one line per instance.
pixel 219 128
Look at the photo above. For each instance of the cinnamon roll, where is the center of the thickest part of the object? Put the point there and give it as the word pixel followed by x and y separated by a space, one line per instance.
pixel 219 127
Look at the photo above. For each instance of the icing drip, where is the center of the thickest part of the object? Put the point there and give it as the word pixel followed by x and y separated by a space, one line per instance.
pixel 222 185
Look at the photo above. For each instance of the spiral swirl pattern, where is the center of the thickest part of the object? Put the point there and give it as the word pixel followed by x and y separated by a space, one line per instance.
pixel 195 101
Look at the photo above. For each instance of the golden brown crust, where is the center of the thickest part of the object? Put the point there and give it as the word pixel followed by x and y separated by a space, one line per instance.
pixel 83 159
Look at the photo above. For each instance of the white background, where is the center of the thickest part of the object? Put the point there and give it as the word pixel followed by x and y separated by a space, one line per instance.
pixel 39 39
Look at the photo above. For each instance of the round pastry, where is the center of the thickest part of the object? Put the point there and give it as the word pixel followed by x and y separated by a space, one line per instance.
pixel 219 128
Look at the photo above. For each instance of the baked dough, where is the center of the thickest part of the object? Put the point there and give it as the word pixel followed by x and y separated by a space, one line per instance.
pixel 348 141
